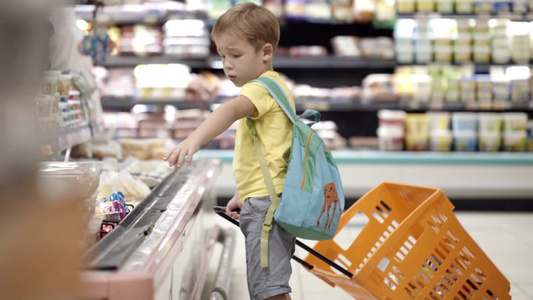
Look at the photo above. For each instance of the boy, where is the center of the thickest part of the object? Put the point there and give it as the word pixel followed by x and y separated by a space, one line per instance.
pixel 247 37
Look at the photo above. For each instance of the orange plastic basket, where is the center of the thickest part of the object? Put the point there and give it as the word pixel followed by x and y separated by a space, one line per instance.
pixel 410 245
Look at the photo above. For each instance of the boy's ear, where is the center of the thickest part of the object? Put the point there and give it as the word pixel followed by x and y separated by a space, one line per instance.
pixel 268 52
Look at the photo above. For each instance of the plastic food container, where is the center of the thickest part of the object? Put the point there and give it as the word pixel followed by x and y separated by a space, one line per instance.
pixel 462 53
pixel 482 39
pixel 482 6
pixel 514 121
pixel 501 55
pixel 425 5
pixel 464 6
pixel 438 121
pixel 445 6
pixel 490 122
pixel 406 6
pixel 482 54
pixel 443 53
pixel 405 54
pixel 490 141
pixel 464 140
pixel 417 124
pixel 390 138
pixel 514 141
pixel 440 140
pixel 464 121
pixel 423 54
pixel 391 118
pixel 416 142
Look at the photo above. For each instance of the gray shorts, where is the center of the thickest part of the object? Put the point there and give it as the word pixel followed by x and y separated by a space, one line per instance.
pixel 273 280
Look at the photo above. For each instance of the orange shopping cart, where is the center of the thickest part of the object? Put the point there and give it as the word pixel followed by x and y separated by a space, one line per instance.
pixel 410 246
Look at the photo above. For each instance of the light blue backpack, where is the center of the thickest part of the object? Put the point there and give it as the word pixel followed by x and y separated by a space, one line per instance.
pixel 313 198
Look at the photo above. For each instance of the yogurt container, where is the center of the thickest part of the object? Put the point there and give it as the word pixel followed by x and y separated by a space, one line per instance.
pixel 391 118
pixel 490 141
pixel 490 123
pixel 390 138
pixel 513 122
pixel 440 140
pixel 438 121
pixel 464 121
pixel 514 141
pixel 464 141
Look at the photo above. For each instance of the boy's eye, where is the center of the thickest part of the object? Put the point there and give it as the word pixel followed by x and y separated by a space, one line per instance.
pixel 236 55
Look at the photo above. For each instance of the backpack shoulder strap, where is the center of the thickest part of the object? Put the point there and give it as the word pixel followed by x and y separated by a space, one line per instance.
pixel 277 93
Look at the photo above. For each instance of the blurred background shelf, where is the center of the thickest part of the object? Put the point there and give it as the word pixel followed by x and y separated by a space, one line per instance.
pixel 127 103
pixel 132 61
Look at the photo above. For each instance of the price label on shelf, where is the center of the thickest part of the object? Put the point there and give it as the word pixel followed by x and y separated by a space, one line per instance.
pixel 415 105
pixel 511 16
pixel 501 105
pixel 436 105
pixel 485 105
pixel 150 20
pixel 472 106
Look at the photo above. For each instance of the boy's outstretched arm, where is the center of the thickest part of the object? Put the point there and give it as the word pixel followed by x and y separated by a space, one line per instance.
pixel 220 120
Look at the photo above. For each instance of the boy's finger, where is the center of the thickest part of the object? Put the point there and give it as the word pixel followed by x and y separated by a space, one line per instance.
pixel 173 157
pixel 189 158
pixel 168 154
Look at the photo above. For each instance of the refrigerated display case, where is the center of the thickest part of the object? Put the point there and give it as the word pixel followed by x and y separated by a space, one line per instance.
pixel 163 248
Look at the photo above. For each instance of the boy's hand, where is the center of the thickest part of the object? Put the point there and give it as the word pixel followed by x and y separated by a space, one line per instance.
pixel 176 156
pixel 233 207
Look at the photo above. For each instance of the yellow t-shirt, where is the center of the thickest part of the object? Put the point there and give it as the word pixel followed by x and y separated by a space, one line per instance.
pixel 274 131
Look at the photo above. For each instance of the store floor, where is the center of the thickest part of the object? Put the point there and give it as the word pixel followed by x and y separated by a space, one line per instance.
pixel 506 238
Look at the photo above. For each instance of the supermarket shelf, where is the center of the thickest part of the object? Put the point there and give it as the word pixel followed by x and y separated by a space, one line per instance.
pixel 325 62
pixel 132 61
pixel 478 67
pixel 116 103
pixel 429 15
pixel 280 62
pixel 408 157
pixel 152 17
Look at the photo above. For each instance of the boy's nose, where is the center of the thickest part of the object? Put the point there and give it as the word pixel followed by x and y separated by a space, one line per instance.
pixel 226 65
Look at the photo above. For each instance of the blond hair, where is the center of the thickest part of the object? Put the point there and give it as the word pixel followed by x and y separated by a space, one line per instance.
pixel 256 24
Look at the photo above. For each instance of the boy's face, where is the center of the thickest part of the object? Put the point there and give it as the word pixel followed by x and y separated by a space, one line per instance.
pixel 241 61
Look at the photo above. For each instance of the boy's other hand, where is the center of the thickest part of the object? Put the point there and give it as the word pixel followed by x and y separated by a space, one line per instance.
pixel 184 151
pixel 233 207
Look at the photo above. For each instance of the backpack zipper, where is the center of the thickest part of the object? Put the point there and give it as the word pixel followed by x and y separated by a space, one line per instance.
pixel 304 177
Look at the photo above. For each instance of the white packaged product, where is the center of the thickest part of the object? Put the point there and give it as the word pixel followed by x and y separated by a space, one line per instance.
pixel 514 141
pixel 464 121
pixel 391 138
pixel 440 140
pixel 444 6
pixel 464 6
pixel 392 118
pixel 490 141
pixel 514 122
pixel 490 122
pixel 465 140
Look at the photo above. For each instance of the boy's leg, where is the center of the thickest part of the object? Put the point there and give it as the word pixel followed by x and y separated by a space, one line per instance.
pixel 280 297
pixel 264 283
